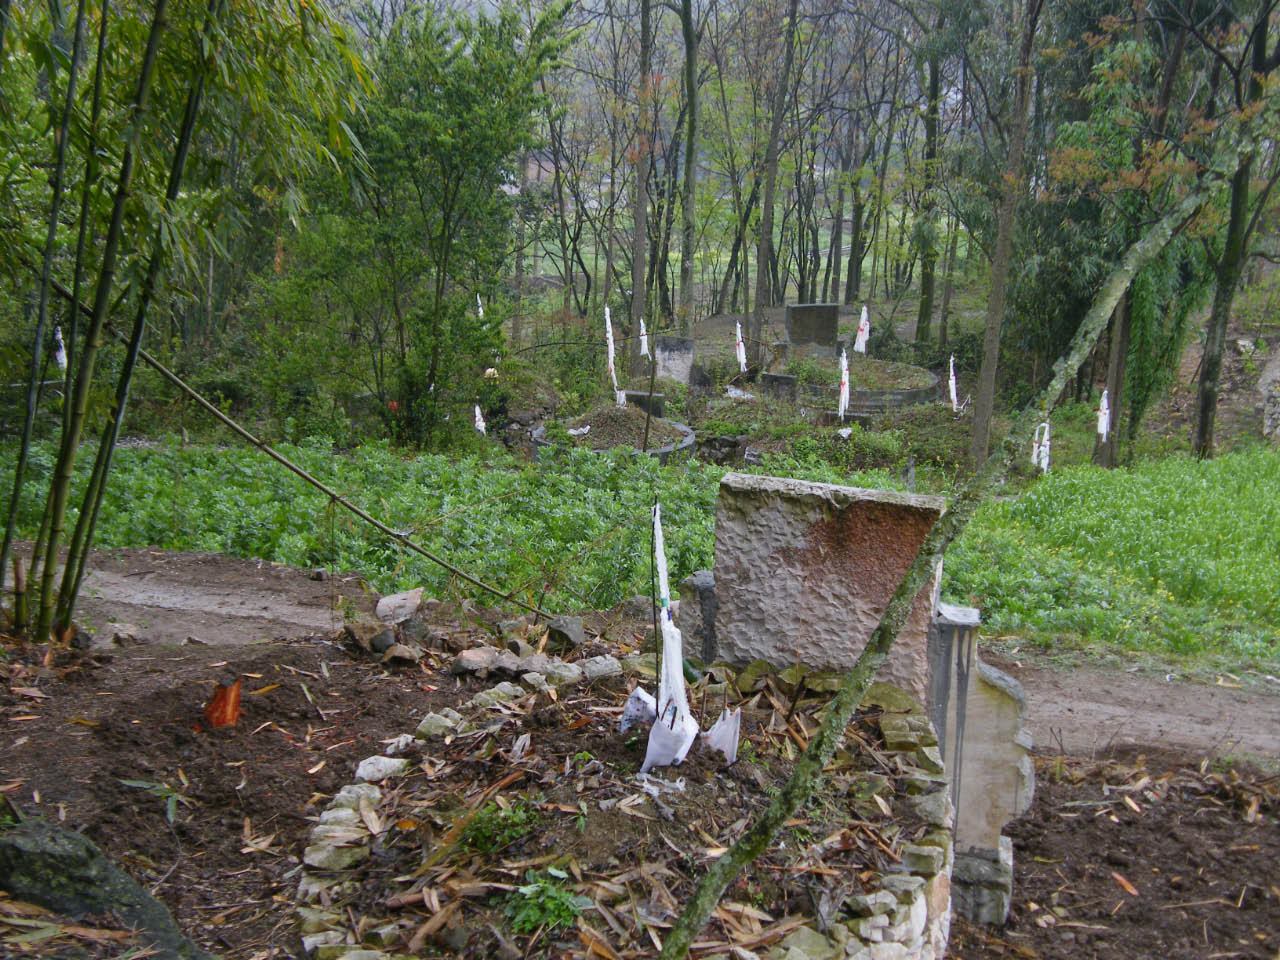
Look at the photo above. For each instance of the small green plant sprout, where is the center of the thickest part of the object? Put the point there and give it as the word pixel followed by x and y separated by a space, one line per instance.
pixel 495 827
pixel 170 796
pixel 544 901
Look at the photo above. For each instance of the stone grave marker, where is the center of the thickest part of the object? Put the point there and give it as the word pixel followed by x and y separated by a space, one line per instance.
pixel 674 357
pixel 813 323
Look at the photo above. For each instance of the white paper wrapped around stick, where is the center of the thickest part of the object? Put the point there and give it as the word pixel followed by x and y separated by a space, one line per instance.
pixel 479 307
pixel 1040 448
pixel 608 340
pixel 1104 417
pixel 844 383
pixel 59 350
pixel 951 385
pixel 674 730
pixel 620 397
pixel 479 420
pixel 739 347
pixel 644 339
pixel 864 331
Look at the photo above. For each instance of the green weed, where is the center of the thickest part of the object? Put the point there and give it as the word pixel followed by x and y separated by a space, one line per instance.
pixel 494 827
pixel 544 901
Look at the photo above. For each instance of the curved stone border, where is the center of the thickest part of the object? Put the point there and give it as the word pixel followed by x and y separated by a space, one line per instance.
pixel 879 401
pixel 662 453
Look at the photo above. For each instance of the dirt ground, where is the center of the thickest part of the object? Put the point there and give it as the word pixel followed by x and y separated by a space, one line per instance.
pixel 1199 850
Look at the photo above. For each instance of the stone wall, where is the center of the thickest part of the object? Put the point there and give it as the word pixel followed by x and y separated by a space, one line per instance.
pixel 805 570
pixel 904 915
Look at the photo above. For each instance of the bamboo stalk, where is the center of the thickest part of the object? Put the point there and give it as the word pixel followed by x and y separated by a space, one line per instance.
pixel 46 267
pixel 61 485
pixel 73 574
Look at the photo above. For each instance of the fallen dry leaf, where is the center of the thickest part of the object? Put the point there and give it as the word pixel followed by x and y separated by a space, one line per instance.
pixel 1124 884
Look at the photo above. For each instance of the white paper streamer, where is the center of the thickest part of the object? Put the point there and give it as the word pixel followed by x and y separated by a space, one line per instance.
pixel 951 385
pixel 644 340
pixel 620 397
pixel 1040 448
pixel 479 307
pixel 864 331
pixel 674 730
pixel 739 347
pixel 844 383
pixel 1104 418
pixel 608 339
pixel 479 420
pixel 59 351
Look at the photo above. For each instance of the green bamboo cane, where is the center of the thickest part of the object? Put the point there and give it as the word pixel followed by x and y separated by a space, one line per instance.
pixel 82 538
pixel 61 484
pixel 42 313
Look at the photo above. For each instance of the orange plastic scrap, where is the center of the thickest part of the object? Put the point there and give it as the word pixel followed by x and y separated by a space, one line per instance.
pixel 224 709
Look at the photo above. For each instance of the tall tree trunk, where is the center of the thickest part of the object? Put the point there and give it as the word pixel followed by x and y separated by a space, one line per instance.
pixel 777 113
pixel 1226 280
pixel 644 146
pixel 853 282
pixel 928 207
pixel 689 29
pixel 984 404
pixel 1106 452
pixel 517 316
pixel 947 285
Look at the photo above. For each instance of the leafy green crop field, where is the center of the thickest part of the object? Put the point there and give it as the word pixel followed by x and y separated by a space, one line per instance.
pixel 1173 558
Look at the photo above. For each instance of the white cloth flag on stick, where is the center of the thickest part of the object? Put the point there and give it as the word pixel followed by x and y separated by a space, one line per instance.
pixel 479 420
pixel 479 307
pixel 613 372
pixel 644 340
pixel 59 350
pixel 739 347
pixel 674 730
pixel 844 383
pixel 951 385
pixel 864 331
pixel 1104 418
pixel 1040 448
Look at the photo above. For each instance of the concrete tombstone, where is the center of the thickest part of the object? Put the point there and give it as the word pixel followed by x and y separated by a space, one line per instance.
pixel 813 323
pixel 804 572
pixel 674 357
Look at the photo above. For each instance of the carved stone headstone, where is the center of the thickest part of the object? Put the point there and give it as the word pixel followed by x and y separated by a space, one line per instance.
pixel 804 571
pixel 674 357
pixel 813 323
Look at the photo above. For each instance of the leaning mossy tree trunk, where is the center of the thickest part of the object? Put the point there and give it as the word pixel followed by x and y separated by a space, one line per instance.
pixel 808 770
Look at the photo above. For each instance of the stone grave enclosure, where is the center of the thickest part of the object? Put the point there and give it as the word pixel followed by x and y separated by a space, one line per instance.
pixel 803 573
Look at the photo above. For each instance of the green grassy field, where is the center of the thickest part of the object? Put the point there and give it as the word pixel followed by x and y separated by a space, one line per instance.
pixel 1175 559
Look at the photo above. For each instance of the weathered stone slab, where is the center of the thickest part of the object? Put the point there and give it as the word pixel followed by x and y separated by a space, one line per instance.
pixel 805 570
pixel 813 323
pixel 697 613
pixel 674 357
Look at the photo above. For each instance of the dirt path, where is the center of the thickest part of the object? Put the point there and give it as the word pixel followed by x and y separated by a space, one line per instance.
pixel 1088 712
pixel 215 598
pixel 225 600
